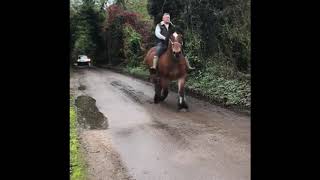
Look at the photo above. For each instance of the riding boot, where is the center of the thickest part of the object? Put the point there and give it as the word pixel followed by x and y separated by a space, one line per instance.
pixel 188 64
pixel 155 61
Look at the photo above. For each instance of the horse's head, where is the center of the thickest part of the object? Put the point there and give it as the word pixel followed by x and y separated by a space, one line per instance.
pixel 176 43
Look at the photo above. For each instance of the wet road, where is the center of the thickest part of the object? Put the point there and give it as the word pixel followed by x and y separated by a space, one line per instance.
pixel 154 141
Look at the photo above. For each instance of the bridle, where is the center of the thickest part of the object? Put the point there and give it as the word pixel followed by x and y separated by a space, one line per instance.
pixel 181 44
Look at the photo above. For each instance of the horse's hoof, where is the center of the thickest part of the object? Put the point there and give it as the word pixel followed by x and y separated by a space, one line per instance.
pixel 183 110
pixel 183 106
pixel 156 101
pixel 162 99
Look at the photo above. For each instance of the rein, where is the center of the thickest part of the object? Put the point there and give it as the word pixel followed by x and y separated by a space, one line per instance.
pixel 181 44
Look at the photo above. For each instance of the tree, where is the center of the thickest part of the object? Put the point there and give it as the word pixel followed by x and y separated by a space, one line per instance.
pixel 222 25
pixel 86 30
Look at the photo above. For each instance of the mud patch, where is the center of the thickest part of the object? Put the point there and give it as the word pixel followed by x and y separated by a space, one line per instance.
pixel 129 91
pixel 88 115
pixel 172 132
pixel 82 87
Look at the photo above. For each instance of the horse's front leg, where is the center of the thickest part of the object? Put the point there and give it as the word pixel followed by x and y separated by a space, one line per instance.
pixel 181 100
pixel 164 88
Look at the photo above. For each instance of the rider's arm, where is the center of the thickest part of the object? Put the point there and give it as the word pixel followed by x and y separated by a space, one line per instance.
pixel 158 34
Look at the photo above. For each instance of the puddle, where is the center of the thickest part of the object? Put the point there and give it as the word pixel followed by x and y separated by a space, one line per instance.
pixel 88 115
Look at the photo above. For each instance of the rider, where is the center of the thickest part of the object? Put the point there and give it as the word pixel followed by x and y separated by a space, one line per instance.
pixel 162 32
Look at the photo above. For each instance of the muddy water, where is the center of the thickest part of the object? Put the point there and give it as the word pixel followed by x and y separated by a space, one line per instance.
pixel 154 141
pixel 88 115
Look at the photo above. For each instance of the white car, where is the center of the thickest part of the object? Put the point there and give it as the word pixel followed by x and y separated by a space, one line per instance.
pixel 83 60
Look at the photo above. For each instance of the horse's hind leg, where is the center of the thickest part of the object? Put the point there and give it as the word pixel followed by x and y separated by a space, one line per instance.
pixel 164 95
pixel 152 76
pixel 181 101
pixel 164 86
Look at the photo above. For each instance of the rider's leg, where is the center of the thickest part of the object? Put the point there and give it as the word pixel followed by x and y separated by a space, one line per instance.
pixel 156 57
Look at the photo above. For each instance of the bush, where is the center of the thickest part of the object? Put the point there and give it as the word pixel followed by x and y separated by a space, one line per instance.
pixel 192 49
pixel 220 27
pixel 137 71
pixel 221 89
pixel 125 33
pixel 132 46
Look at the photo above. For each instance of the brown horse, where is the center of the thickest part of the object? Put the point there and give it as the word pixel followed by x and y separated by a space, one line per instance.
pixel 171 66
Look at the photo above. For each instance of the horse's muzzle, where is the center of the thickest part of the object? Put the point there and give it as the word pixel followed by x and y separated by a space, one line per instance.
pixel 176 54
